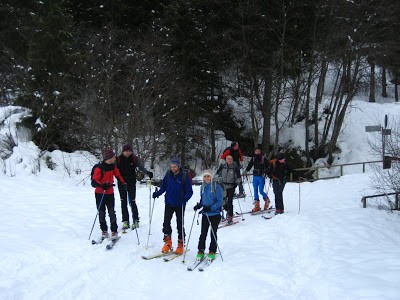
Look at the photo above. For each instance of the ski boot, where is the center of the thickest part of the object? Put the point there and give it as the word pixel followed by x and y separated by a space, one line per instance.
pixel 168 244
pixel 267 202
pixel 179 249
pixel 256 206
pixel 125 225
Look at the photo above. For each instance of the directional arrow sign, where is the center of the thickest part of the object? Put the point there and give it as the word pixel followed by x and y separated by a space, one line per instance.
pixel 373 128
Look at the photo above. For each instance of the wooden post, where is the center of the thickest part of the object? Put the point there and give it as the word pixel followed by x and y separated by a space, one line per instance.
pixel 364 201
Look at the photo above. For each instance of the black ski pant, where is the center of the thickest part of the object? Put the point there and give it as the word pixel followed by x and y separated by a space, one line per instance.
pixel 109 202
pixel 131 184
pixel 278 186
pixel 214 220
pixel 229 201
pixel 241 190
pixel 168 213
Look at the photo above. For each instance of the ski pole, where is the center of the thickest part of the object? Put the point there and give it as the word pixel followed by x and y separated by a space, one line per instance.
pixel 130 202
pixel 94 222
pixel 240 207
pixel 248 183
pixel 182 229
pixel 150 202
pixel 190 233
pixel 299 193
pixel 214 235
pixel 266 198
pixel 151 217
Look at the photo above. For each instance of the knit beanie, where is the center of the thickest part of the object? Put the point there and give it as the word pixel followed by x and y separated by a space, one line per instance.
pixel 176 161
pixel 126 148
pixel 108 154
pixel 208 172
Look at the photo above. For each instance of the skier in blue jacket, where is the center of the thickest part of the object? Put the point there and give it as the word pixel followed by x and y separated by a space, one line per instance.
pixel 210 201
pixel 178 190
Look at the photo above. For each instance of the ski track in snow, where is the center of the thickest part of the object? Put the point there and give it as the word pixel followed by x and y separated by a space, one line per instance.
pixel 333 249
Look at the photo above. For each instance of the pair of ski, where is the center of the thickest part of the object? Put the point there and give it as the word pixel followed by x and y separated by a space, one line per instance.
pixel 226 224
pixel 201 264
pixel 270 216
pixel 171 255
pixel 268 210
pixel 110 244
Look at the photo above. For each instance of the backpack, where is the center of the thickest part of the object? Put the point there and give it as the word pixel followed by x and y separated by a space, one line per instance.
pixel 94 183
pixel 278 172
pixel 218 180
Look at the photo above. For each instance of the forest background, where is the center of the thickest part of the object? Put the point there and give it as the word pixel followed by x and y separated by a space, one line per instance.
pixel 170 76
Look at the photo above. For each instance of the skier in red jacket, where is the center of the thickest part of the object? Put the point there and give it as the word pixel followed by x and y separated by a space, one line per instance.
pixel 103 176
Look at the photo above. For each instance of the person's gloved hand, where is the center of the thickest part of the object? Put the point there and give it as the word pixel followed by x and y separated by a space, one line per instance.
pixel 244 173
pixel 206 208
pixel 197 206
pixel 150 174
pixel 155 195
pixel 106 186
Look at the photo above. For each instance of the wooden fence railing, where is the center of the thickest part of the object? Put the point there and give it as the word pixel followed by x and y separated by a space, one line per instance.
pixel 341 166
pixel 396 200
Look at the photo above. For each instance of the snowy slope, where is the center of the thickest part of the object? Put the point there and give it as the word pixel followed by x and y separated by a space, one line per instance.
pixel 332 249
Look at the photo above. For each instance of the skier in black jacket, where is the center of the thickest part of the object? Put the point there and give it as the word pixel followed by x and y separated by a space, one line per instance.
pixel 277 171
pixel 127 163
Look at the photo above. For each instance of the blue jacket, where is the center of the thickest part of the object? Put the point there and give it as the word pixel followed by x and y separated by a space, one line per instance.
pixel 208 198
pixel 173 188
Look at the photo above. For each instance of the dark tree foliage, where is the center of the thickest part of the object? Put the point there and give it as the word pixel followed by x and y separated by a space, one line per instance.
pixel 162 75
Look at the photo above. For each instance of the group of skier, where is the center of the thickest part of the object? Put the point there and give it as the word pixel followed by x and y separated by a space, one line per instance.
pixel 217 192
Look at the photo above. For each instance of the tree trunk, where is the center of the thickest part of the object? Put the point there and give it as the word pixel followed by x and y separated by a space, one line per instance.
pixel 372 82
pixel 342 108
pixel 253 109
pixel 384 84
pixel 318 100
pixel 212 142
pixel 266 111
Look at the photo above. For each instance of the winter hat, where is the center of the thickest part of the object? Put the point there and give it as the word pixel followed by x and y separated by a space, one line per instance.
pixel 127 148
pixel 234 144
pixel 176 161
pixel 108 154
pixel 208 172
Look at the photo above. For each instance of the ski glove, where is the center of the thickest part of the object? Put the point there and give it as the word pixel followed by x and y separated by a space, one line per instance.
pixel 206 208
pixel 244 173
pixel 150 174
pixel 155 195
pixel 197 206
pixel 106 186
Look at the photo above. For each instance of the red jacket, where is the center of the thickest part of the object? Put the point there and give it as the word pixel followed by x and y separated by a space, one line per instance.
pixel 108 177
pixel 236 154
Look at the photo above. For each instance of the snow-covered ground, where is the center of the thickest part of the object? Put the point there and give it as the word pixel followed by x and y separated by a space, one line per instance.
pixel 331 249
